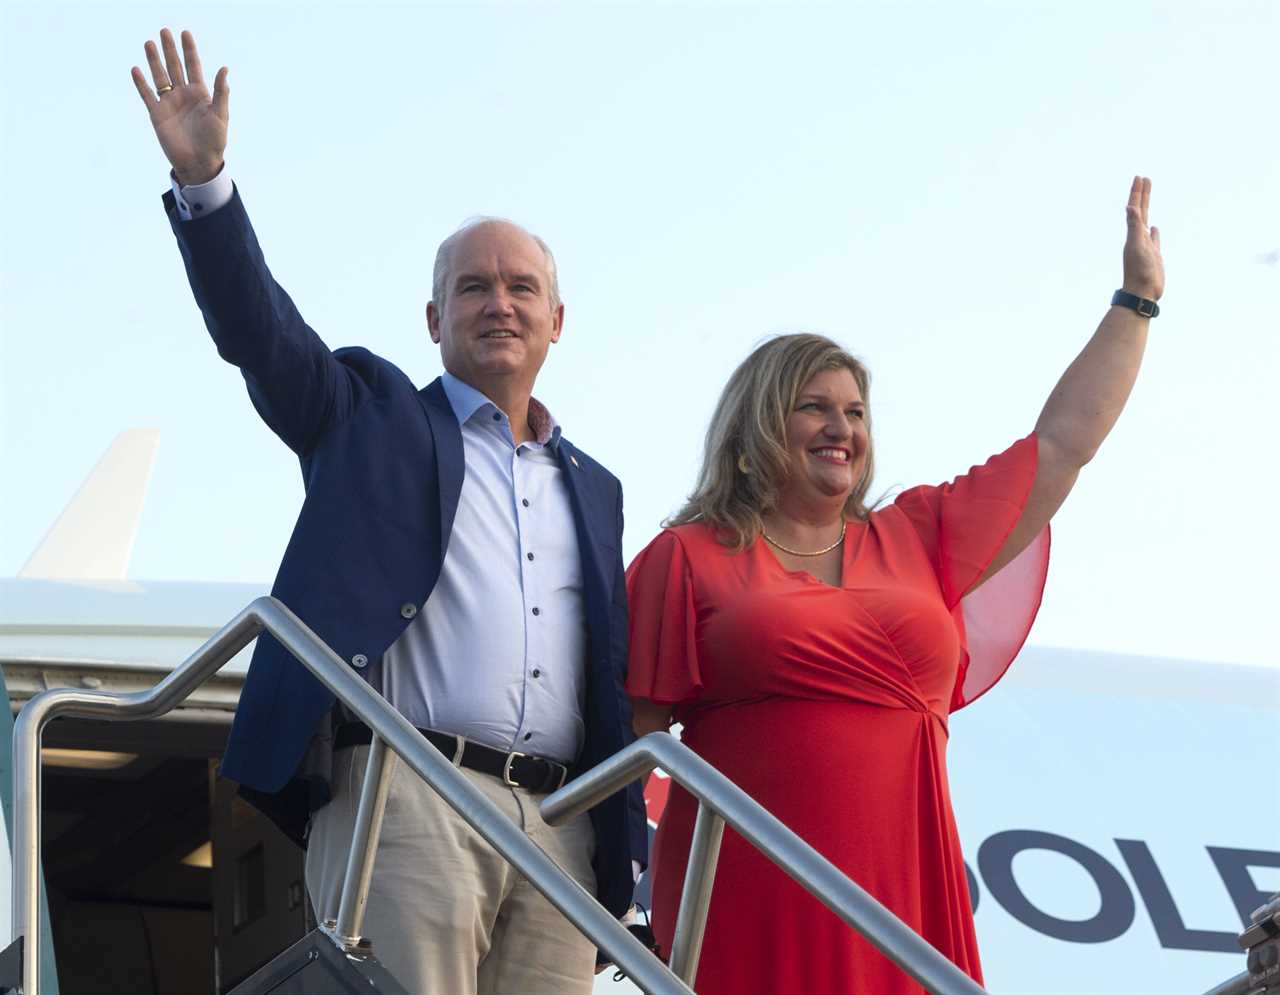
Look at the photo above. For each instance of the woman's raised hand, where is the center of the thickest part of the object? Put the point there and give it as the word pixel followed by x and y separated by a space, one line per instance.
pixel 1143 265
pixel 190 125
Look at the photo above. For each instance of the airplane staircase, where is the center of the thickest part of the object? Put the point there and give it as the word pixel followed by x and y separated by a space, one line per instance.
pixel 336 959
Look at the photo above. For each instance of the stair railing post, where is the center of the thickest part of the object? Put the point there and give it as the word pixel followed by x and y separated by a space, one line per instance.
pixel 378 772
pixel 695 900
pixel 27 879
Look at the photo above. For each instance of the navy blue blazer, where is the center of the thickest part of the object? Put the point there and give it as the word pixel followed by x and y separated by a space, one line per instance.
pixel 382 464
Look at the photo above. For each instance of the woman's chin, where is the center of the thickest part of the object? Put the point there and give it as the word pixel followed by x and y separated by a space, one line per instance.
pixel 835 485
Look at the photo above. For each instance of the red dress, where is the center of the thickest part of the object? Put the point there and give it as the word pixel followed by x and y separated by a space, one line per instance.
pixel 829 705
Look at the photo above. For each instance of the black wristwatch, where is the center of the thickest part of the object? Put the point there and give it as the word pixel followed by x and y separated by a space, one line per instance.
pixel 1144 307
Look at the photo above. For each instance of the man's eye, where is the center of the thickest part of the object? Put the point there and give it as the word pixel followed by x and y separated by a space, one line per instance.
pixel 858 413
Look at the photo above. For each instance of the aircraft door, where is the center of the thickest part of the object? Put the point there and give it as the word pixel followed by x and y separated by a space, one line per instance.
pixel 259 894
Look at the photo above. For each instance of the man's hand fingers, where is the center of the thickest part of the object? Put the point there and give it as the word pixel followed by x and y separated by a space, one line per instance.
pixel 1155 237
pixel 158 74
pixel 221 94
pixel 1146 200
pixel 195 73
pixel 171 60
pixel 144 91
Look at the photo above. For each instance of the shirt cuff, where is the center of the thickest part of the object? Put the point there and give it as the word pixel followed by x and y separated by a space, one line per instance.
pixel 199 199
pixel 635 870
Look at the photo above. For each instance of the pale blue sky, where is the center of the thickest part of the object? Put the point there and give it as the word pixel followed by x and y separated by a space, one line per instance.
pixel 939 186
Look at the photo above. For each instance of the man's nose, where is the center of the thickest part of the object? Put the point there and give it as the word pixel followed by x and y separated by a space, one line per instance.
pixel 498 302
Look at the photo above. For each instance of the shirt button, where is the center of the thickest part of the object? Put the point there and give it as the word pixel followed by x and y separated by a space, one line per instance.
pixel 497 416
pixel 537 672
pixel 528 736
pixel 525 502
pixel 537 611
pixel 408 610
pixel 528 556
pixel 359 661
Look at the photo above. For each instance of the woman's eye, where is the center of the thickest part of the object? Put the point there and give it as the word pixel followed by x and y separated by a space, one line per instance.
pixel 858 413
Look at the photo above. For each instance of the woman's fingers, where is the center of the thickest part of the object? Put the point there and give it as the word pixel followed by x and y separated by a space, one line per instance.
pixel 171 60
pixel 1137 211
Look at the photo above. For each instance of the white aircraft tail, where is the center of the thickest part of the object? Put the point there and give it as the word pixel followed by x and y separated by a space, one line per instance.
pixel 93 537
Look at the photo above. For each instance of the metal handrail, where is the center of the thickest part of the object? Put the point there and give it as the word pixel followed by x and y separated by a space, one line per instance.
pixel 720 801
pixel 1239 985
pixel 387 724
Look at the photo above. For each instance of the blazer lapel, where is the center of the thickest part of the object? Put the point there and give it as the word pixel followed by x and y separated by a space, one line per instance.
pixel 450 463
pixel 594 528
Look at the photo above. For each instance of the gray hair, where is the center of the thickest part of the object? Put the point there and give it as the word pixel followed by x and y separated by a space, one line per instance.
pixel 444 258
pixel 746 462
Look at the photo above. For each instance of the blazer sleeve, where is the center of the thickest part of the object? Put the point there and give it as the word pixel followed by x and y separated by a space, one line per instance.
pixel 297 385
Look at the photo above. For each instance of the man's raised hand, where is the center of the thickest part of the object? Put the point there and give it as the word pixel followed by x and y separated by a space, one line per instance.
pixel 190 125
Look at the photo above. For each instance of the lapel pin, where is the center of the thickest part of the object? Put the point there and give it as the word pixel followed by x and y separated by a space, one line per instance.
pixel 573 459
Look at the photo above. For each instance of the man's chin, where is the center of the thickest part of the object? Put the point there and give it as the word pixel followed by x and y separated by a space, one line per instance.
pixel 500 366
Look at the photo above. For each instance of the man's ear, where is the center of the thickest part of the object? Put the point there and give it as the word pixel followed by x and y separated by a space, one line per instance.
pixel 558 327
pixel 433 322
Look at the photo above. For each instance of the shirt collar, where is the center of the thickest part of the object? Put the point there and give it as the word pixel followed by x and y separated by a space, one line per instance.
pixel 466 401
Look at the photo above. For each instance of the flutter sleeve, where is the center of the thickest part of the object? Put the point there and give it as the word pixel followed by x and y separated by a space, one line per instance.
pixel 663 661
pixel 963 525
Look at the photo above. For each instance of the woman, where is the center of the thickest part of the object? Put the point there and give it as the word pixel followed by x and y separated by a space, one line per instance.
pixel 813 648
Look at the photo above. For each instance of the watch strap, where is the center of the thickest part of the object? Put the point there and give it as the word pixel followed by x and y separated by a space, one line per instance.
pixel 1146 308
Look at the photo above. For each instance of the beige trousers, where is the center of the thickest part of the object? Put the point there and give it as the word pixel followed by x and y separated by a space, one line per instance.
pixel 446 914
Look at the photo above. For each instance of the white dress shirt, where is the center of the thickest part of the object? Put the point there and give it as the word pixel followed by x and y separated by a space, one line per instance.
pixel 498 653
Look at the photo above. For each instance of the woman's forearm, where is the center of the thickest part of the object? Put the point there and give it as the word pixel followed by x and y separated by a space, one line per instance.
pixel 1089 397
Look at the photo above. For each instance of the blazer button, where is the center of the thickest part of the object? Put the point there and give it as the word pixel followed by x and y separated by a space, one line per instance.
pixel 359 661
pixel 408 610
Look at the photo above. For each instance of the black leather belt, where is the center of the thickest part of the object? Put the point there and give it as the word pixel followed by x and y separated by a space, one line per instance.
pixel 516 770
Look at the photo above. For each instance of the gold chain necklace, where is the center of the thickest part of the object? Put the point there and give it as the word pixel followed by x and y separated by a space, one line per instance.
pixel 795 552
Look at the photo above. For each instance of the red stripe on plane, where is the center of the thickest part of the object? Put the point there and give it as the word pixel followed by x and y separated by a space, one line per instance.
pixel 655 796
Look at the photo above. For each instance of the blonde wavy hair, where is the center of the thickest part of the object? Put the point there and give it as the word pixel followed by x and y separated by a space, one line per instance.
pixel 745 462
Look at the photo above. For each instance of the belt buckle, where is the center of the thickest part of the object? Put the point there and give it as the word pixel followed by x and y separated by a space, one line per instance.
pixel 506 769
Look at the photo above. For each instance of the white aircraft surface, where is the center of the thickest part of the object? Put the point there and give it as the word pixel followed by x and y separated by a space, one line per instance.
pixel 1119 814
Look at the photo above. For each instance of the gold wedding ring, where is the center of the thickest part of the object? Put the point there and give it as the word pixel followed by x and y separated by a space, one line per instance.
pixel 162 90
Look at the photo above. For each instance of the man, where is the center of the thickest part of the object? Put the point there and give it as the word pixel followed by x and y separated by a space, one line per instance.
pixel 455 549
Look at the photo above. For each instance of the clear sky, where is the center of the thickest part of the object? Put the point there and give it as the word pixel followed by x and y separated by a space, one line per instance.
pixel 938 186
